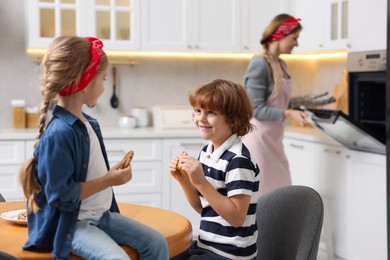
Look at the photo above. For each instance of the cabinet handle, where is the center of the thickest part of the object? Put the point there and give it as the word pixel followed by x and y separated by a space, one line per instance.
pixel 297 146
pixel 121 152
pixel 192 144
pixel 332 151
pixel 189 46
pixel 197 46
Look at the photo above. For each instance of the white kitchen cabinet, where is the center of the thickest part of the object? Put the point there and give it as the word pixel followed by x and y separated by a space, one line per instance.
pixel 255 16
pixel 115 22
pixel 302 158
pixel 324 22
pixel 366 206
pixel 12 155
pixel 330 25
pixel 146 185
pixel 332 170
pixel 367 25
pixel 191 25
pixel 177 199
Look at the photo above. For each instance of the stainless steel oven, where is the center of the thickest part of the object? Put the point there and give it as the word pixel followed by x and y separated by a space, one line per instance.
pixel 367 90
pixel 363 129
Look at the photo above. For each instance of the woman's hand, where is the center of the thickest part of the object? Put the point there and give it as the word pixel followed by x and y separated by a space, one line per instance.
pixel 298 116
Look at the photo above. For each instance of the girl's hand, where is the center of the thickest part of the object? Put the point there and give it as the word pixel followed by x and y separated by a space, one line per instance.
pixel 118 175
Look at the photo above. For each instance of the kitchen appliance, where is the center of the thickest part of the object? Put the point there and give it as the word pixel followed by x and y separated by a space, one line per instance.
pixel 367 90
pixel 346 131
pixel 363 129
pixel 141 114
pixel 173 117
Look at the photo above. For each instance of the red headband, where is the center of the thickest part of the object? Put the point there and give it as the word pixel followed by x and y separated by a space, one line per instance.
pixel 284 29
pixel 90 71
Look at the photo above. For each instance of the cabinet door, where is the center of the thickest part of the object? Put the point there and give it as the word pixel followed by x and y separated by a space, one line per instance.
pixel 166 24
pixel 145 187
pixel 302 158
pixel 367 25
pixel 48 19
pixel 117 23
pixel 12 155
pixel 255 16
pixel 332 167
pixel 367 227
pixel 191 25
pixel 177 199
pixel 215 25
pixel 313 20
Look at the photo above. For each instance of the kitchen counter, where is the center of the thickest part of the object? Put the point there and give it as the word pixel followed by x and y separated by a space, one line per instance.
pixel 303 133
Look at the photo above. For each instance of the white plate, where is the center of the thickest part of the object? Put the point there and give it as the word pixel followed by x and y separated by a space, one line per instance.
pixel 13 216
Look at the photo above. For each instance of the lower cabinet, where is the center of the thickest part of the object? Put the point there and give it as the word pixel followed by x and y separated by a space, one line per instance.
pixel 366 207
pixel 12 155
pixel 146 185
pixel 353 187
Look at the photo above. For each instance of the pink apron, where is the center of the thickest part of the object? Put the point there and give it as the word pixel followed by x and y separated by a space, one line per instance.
pixel 265 143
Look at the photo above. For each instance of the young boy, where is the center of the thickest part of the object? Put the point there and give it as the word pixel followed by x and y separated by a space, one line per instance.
pixel 222 183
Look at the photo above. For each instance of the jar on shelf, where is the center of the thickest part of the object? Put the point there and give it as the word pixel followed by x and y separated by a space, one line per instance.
pixel 19 113
pixel 32 117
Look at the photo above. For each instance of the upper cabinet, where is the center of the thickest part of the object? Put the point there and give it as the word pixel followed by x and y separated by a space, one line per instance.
pixel 367 25
pixel 114 21
pixel 255 16
pixel 207 25
pixel 330 25
pixel 191 25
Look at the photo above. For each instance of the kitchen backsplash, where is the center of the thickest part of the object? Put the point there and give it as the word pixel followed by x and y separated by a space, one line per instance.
pixel 150 82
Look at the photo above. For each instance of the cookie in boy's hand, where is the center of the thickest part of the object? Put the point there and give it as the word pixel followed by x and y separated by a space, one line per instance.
pixel 128 157
pixel 183 153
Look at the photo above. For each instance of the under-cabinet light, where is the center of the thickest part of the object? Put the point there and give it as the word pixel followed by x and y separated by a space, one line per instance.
pixel 122 56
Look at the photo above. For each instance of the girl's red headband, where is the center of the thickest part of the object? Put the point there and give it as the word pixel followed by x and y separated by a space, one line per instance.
pixel 284 29
pixel 90 71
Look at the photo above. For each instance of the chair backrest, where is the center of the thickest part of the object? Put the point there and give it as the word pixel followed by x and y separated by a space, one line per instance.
pixel 2 198
pixel 6 256
pixel 289 221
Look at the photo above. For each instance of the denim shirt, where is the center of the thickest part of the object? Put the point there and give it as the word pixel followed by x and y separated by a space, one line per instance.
pixel 61 160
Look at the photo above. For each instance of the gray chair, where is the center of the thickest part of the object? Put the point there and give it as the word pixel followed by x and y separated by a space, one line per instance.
pixel 6 256
pixel 289 221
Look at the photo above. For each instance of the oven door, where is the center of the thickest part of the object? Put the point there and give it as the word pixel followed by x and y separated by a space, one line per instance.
pixel 343 129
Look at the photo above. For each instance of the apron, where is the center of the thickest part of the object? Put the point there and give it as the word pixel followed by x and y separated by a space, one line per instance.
pixel 265 143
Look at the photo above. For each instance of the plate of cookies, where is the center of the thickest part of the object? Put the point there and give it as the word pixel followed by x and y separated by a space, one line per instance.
pixel 16 216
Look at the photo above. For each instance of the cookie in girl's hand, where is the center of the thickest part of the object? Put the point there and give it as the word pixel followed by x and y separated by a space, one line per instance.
pixel 128 157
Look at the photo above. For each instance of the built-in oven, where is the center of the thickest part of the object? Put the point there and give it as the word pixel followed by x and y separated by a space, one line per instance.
pixel 363 128
pixel 367 90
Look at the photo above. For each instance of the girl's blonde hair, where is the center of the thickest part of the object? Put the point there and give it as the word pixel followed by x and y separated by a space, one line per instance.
pixel 228 98
pixel 63 64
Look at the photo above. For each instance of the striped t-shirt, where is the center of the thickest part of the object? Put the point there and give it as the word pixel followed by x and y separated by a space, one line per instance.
pixel 231 171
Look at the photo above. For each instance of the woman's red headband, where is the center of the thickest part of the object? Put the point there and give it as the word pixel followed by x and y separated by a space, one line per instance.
pixel 284 29
pixel 90 71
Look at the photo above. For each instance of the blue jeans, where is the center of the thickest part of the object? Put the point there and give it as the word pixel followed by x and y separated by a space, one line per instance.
pixel 196 253
pixel 100 239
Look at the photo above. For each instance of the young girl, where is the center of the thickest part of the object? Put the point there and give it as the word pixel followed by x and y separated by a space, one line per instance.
pixel 221 184
pixel 67 183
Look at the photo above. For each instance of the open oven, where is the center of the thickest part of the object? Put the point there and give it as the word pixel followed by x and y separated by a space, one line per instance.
pixel 363 129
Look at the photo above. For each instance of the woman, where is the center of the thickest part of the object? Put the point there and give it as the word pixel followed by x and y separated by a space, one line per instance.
pixel 269 85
